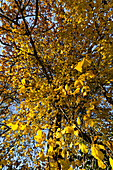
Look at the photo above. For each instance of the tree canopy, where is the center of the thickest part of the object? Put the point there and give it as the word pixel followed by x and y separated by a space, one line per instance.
pixel 56 70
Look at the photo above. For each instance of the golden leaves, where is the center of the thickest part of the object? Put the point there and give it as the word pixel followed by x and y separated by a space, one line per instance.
pixel 22 89
pixel 78 121
pixel 101 147
pixel 101 164
pixel 109 144
pixel 65 164
pixel 79 67
pixel 50 150
pixel 40 136
pixel 78 162
pixel 82 64
pixel 78 83
pixel 95 150
pixel 13 126
pixel 76 132
pixel 3 162
pixel 53 165
pixel 70 168
pixel 69 129
pixel 66 87
pixel 23 81
pixel 22 127
pixel 58 134
pixel 83 148
pixel 77 93
pixel 111 162
pixel 91 122
pixel 89 74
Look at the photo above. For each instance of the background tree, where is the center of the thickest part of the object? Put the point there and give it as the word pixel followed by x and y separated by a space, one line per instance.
pixel 57 71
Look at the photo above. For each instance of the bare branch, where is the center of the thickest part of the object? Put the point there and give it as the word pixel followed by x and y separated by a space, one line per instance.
pixel 49 28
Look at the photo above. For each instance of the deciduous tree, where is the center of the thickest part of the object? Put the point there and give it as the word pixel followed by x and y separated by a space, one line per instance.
pixel 56 69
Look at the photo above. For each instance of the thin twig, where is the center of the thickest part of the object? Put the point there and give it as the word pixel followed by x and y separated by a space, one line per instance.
pixel 9 19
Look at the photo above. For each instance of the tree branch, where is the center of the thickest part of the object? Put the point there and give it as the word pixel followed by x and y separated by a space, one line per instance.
pixel 9 19
pixel 2 28
pixel 36 16
pixel 34 48
pixel 109 99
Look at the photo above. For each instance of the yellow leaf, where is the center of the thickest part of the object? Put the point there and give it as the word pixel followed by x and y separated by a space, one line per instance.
pixel 58 135
pixel 61 52
pixel 78 100
pixel 77 143
pixel 58 143
pixel 85 62
pixel 85 118
pixel 111 162
pixel 79 67
pixel 95 137
pixel 69 129
pixel 108 144
pixel 90 74
pixel 3 161
pixel 53 165
pixel 83 148
pixel 64 92
pixel 96 152
pixel 78 121
pixel 101 147
pixel 91 123
pixel 13 126
pixel 22 127
pixel 82 64
pixel 41 136
pixel 70 168
pixel 22 89
pixel 66 87
pixel 77 91
pixel 91 107
pixel 65 164
pixel 101 164
pixel 39 133
pixel 76 133
pixel 78 83
pixel 63 153
pixel 78 163
pixel 50 150
pixel 23 81
pixel 99 48
pixel 84 94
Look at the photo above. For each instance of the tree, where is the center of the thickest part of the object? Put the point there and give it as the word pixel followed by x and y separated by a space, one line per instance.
pixel 56 69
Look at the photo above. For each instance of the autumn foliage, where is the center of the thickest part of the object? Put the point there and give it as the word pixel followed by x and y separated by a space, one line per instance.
pixel 56 84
